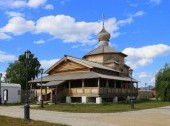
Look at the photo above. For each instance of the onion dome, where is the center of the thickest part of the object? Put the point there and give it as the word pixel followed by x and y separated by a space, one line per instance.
pixel 103 35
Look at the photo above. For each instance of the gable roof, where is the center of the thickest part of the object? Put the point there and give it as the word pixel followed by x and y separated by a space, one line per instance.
pixel 67 76
pixel 52 83
pixel 103 49
pixel 61 77
pixel 60 61
pixel 83 62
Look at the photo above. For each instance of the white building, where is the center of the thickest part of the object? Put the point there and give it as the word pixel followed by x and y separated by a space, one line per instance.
pixel 11 92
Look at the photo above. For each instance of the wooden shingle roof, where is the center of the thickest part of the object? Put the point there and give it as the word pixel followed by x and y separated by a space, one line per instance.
pixel 103 49
pixel 83 62
pixel 61 77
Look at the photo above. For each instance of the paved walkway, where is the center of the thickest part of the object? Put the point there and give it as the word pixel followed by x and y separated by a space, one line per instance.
pixel 149 117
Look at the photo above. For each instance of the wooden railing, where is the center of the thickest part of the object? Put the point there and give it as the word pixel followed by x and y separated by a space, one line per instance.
pixel 83 91
pixel 118 91
pixel 97 91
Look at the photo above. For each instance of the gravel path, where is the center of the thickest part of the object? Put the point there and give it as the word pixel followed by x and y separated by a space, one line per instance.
pixel 149 117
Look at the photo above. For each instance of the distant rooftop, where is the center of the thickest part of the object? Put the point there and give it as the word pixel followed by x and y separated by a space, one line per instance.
pixel 10 85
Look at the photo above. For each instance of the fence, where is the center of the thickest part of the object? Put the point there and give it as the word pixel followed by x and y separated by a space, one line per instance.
pixel 32 95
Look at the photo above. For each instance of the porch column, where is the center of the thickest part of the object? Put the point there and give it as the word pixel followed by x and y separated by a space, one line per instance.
pixel 107 83
pixel 115 99
pixel 98 85
pixel 30 86
pixel 68 99
pixel 132 90
pixel 69 86
pixel 46 93
pixel 55 94
pixel 83 86
pixel 98 100
pixel 121 86
pixel 115 90
pixel 56 90
pixel 115 84
pixel 84 99
pixel 137 85
pixel 51 96
pixel 98 82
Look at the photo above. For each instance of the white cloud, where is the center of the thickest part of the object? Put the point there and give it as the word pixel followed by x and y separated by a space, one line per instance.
pixel 18 3
pixel 13 3
pixel 66 28
pixel 152 80
pixel 49 7
pixel 155 2
pixel 4 36
pixel 64 1
pixel 143 75
pixel 133 5
pixel 14 14
pixel 6 57
pixel 36 3
pixel 145 55
pixel 124 22
pixel 22 3
pixel 139 13
pixel 75 46
pixel 18 26
pixel 48 63
pixel 39 42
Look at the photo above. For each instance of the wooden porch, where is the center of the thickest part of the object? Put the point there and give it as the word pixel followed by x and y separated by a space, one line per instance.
pixel 95 91
pixel 103 88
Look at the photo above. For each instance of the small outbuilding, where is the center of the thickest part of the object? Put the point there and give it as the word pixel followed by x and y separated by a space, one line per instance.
pixel 10 93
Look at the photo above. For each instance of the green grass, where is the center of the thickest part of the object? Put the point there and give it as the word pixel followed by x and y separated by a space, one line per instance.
pixel 104 108
pixel 8 121
pixel 150 104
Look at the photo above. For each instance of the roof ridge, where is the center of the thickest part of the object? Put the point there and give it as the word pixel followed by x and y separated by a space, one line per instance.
pixel 84 62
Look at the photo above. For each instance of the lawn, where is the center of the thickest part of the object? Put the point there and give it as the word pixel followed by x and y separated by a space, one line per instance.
pixel 104 108
pixel 8 121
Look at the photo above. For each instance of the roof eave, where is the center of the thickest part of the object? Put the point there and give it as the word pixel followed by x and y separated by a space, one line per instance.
pixel 104 53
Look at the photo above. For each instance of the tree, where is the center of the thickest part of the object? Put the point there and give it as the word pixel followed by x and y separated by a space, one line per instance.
pixel 163 83
pixel 16 72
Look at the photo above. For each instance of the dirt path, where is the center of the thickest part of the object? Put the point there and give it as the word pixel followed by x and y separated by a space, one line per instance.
pixel 149 117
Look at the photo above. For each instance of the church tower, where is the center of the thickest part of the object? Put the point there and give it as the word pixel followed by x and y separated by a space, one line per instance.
pixel 106 55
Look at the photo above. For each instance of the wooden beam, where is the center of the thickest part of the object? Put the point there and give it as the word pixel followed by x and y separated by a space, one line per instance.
pixel 69 86
pixel 83 85
pixel 107 83
pixel 115 84
pixel 98 82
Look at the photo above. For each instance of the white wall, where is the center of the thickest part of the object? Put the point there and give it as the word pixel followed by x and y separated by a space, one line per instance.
pixel 14 92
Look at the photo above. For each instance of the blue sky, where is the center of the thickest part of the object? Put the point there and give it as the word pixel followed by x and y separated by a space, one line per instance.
pixel 52 28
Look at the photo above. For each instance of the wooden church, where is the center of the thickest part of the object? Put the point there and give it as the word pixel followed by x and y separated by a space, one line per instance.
pixel 100 76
